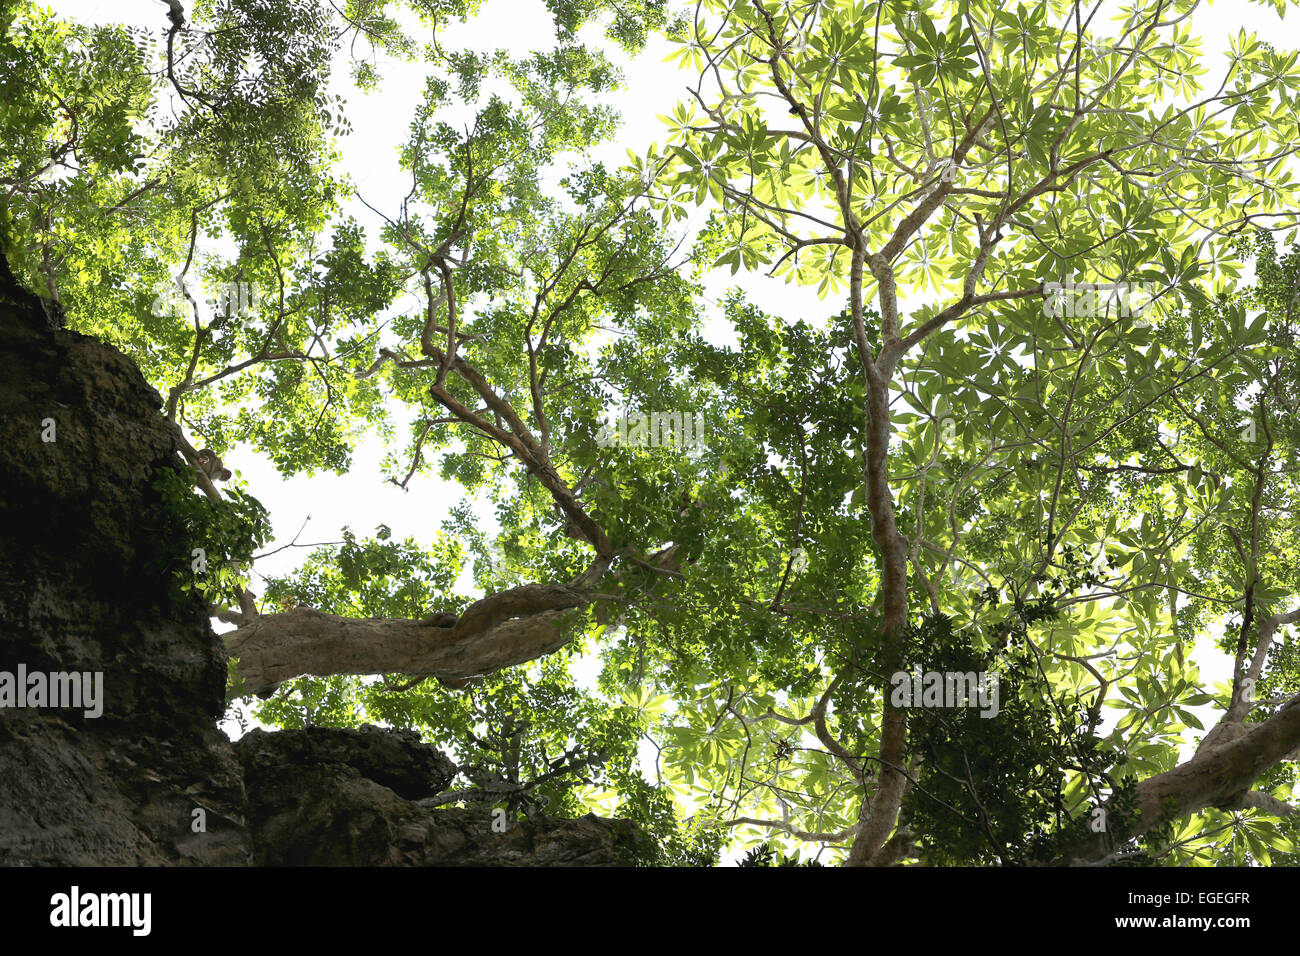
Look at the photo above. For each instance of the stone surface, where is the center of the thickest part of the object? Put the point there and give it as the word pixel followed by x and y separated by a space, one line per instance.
pixel 82 588
pixel 323 796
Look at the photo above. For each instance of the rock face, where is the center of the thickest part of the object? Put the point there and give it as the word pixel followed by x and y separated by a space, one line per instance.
pixel 323 796
pixel 84 566
pixel 83 589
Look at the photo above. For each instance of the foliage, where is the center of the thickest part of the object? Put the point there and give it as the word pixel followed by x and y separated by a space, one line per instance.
pixel 213 543
pixel 1096 499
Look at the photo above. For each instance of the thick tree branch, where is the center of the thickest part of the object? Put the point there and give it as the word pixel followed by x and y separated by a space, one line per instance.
pixel 500 630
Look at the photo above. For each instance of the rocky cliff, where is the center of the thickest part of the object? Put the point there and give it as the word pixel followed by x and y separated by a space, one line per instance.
pixel 149 779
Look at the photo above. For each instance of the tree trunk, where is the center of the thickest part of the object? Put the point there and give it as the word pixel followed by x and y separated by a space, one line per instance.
pixel 1217 776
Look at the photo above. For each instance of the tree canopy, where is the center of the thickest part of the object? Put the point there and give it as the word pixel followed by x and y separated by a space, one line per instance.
pixel 1042 434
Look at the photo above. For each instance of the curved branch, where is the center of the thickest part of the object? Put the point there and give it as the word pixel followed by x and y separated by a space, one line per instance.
pixel 500 630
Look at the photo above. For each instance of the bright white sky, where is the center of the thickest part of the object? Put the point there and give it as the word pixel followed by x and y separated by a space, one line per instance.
pixel 362 499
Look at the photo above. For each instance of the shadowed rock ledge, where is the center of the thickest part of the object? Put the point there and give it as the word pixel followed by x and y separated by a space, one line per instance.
pixel 323 796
